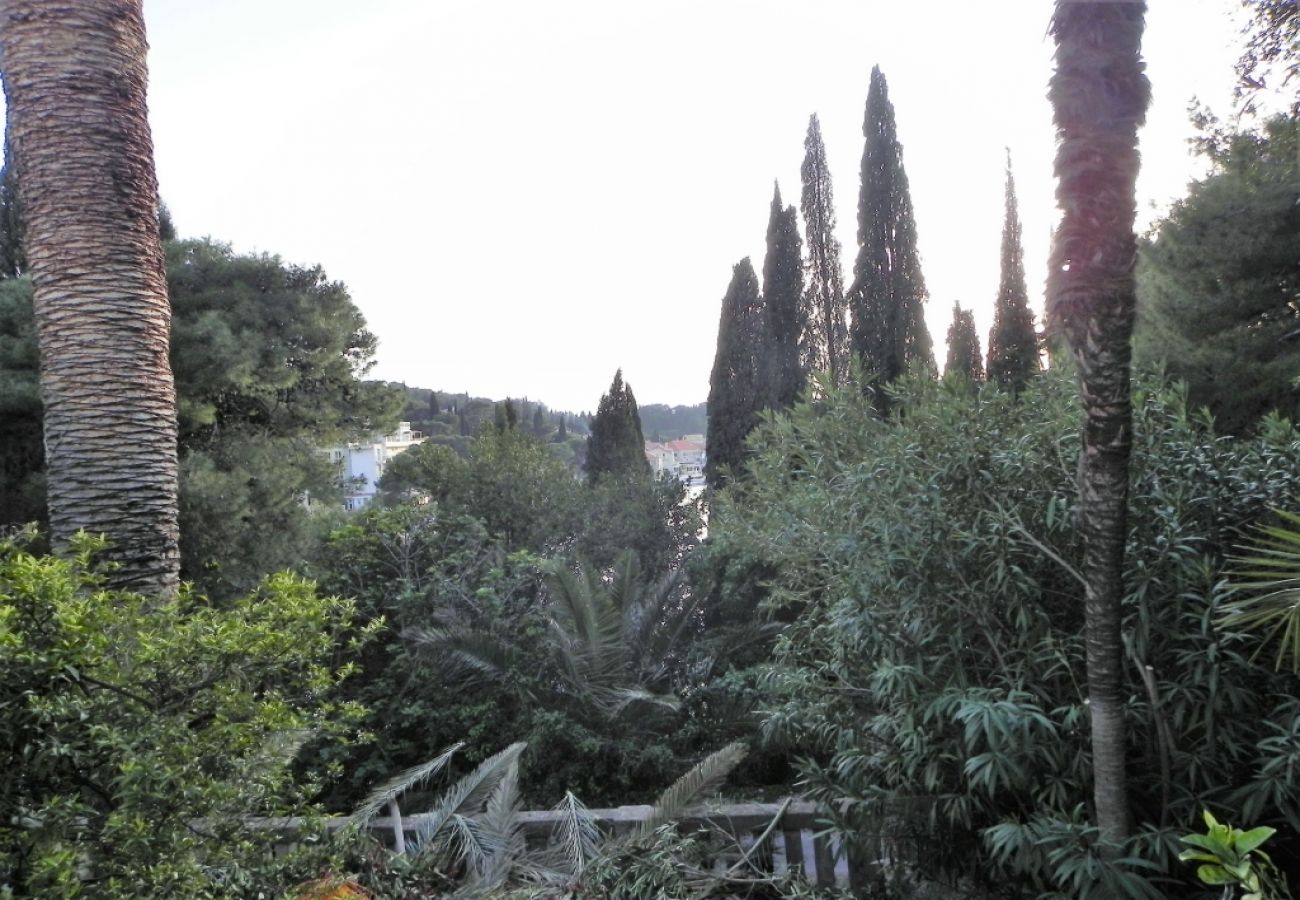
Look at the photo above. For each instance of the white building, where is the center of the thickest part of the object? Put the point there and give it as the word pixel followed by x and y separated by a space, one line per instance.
pixel 361 464
pixel 683 459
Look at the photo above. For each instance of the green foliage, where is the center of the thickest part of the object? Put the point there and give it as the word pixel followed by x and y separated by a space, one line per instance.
pixel 22 486
pixel 261 345
pixel 1218 281
pixel 735 385
pixel 616 446
pixel 136 731
pixel 12 258
pixel 964 355
pixel 267 359
pixel 1272 48
pixel 1013 345
pixel 783 375
pixel 512 482
pixel 888 293
pixel 673 422
pixel 1231 858
pixel 931 672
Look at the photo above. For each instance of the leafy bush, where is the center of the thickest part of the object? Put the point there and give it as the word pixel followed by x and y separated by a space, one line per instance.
pixel 933 670
pixel 136 732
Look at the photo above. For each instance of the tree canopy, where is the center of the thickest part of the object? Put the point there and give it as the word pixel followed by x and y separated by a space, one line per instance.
pixel 1013 345
pixel 1219 283
pixel 783 375
pixel 888 293
pixel 964 355
pixel 825 340
pixel 735 383
pixel 616 446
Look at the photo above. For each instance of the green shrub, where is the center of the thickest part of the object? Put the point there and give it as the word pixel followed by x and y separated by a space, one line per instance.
pixel 135 732
pixel 933 669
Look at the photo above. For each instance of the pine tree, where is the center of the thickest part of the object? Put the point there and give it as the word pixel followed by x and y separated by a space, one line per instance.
pixel 12 259
pixel 1013 345
pixel 783 377
pixel 964 346
pixel 616 446
pixel 734 386
pixel 888 293
pixel 824 344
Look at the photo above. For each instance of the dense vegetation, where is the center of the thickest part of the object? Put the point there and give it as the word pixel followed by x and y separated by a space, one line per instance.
pixel 886 613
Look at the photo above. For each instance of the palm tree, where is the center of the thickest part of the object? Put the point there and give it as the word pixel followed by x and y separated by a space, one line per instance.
pixel 74 79
pixel 1099 95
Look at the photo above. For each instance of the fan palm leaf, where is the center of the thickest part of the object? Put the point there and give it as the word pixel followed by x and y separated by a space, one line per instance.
pixel 1269 570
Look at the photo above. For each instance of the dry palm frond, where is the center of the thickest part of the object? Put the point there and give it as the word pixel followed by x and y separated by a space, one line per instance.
pixel 399 784
pixel 703 778
pixel 576 835
pixel 500 826
pixel 469 795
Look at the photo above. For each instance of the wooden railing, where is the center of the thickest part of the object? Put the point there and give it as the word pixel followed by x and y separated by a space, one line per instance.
pixel 764 837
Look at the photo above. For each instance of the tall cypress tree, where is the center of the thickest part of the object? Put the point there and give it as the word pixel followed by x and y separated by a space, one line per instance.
pixel 616 445
pixel 1013 345
pixel 783 376
pixel 734 386
pixel 964 354
pixel 888 293
pixel 824 344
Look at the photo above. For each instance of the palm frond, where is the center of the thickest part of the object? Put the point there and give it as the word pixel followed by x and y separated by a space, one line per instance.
pixel 470 794
pixel 399 784
pixel 588 631
pixel 1271 573
pixel 576 836
pixel 704 777
pixel 616 700
pixel 473 652
pixel 501 829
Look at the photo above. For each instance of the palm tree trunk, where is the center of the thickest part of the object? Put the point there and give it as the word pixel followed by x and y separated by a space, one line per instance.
pixel 1099 95
pixel 74 78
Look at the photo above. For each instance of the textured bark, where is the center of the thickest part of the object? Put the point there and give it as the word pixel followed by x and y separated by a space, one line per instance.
pixel 1099 96
pixel 75 78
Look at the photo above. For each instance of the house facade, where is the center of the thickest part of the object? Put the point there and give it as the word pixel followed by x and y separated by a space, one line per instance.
pixel 682 459
pixel 361 463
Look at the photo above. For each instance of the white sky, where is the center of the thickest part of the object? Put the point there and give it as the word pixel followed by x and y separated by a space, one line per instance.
pixel 524 196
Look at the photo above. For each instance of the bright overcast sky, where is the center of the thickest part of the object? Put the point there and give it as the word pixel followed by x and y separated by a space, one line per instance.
pixel 524 196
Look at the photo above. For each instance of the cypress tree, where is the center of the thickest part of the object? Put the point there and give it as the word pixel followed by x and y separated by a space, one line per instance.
pixel 734 386
pixel 964 346
pixel 824 344
pixel 783 377
pixel 539 422
pixel 888 293
pixel 433 404
pixel 562 432
pixel 12 259
pixel 1013 345
pixel 616 445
